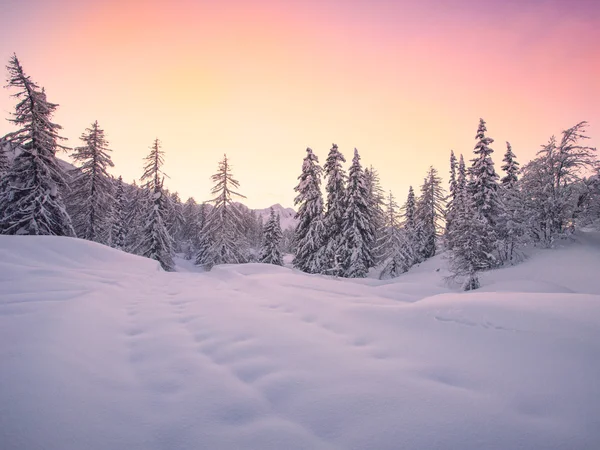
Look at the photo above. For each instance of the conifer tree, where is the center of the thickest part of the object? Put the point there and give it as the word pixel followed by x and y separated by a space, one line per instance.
pixel 222 233
pixel 451 200
pixel 510 167
pixel 30 199
pixel 468 254
pixel 377 206
pixel 549 183
pixel 135 205
pixel 190 232
pixel 118 227
pixel 4 164
pixel 91 193
pixel 155 243
pixel 309 233
pixel 335 187
pixel 270 252
pixel 511 227
pixel 428 213
pixel 358 241
pixel 395 247
pixel 483 184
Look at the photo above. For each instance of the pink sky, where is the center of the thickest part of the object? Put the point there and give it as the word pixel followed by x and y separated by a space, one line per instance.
pixel 402 81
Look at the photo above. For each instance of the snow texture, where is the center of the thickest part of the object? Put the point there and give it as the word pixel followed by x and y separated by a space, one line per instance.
pixel 103 350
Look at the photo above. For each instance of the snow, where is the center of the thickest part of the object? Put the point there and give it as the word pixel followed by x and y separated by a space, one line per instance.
pixel 100 349
pixel 286 215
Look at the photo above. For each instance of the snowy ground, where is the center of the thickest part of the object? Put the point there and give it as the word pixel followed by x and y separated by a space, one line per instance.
pixel 101 350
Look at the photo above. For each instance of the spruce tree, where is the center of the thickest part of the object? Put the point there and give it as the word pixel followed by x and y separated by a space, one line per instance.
pixel 4 163
pixel 468 253
pixel 510 167
pixel 358 240
pixel 451 199
pixel 483 184
pixel 395 247
pixel 511 226
pixel 155 243
pixel 135 205
pixel 428 213
pixel 409 225
pixel 270 252
pixel 377 204
pixel 118 227
pixel 335 188
pixel 30 199
pixel 91 193
pixel 222 241
pixel 310 231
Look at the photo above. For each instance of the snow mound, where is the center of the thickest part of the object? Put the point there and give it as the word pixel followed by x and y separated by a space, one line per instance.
pixel 102 350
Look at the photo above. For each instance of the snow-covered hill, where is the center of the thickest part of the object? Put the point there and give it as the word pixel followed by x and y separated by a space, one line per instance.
pixel 286 215
pixel 101 350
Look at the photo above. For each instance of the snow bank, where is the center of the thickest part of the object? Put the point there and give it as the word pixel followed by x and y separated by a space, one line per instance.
pixel 102 350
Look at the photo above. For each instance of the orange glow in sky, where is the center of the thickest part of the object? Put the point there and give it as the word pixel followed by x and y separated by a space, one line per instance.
pixel 403 81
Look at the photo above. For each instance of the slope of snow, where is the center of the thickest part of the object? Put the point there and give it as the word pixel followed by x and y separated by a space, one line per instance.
pixel 101 350
pixel 287 216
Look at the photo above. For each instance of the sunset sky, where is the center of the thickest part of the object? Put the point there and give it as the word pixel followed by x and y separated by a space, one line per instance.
pixel 403 81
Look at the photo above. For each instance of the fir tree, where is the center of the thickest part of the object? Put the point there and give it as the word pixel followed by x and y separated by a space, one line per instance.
pixel 510 167
pixel 511 228
pixel 358 239
pixel 428 213
pixel 451 200
pixel 91 188
pixel 395 248
pixel 468 254
pixel 483 184
pixel 155 243
pixel 192 224
pixel 135 205
pixel 222 233
pixel 118 227
pixel 270 252
pixel 30 199
pixel 308 237
pixel 377 205
pixel 4 163
pixel 333 218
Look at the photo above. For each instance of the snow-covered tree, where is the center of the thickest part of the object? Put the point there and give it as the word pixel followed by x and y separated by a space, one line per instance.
pixel 222 241
pixel 270 252
pixel 155 241
pixel 548 183
pixel 510 168
pixel 483 182
pixel 174 219
pixel 135 205
pixel 193 219
pixel 335 188
pixel 395 247
pixel 309 233
pixel 358 240
pixel 117 224
pixel 91 193
pixel 451 199
pixel 429 212
pixel 511 226
pixel 30 199
pixel 377 204
pixel 4 163
pixel 468 252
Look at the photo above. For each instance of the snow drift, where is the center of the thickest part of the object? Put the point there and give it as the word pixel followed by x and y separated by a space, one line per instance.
pixel 102 350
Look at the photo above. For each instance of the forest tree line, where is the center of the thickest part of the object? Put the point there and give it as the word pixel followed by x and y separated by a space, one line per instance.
pixel 347 225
